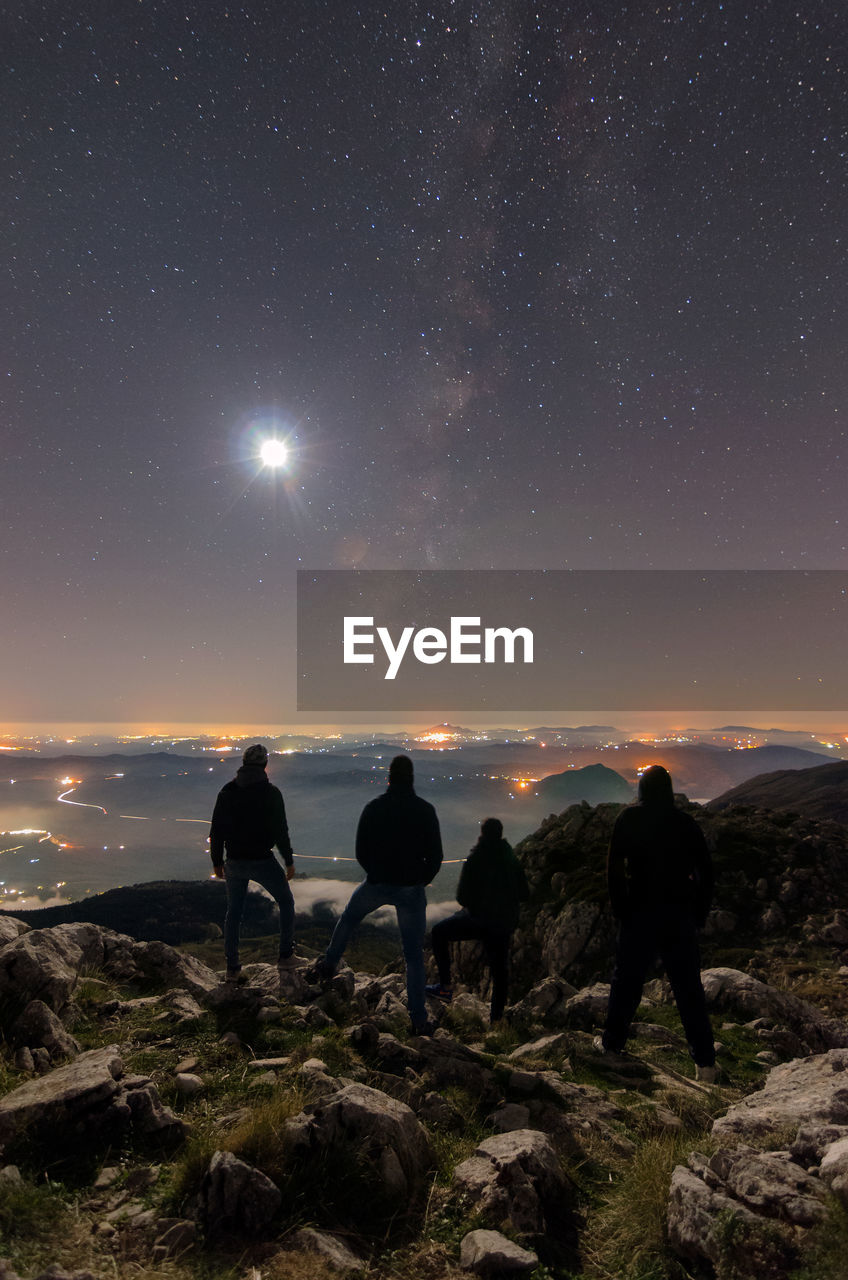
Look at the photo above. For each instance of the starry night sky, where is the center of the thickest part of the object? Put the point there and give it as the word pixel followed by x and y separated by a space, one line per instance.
pixel 522 286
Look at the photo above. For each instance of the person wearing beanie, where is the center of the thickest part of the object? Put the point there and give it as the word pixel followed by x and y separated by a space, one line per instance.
pixel 660 880
pixel 248 823
pixel 399 846
pixel 492 885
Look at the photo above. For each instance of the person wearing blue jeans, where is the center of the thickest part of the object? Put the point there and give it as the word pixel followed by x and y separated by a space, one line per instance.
pixel 410 903
pixel 248 823
pixel 399 846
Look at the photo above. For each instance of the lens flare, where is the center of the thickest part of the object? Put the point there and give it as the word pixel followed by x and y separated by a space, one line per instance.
pixel 274 453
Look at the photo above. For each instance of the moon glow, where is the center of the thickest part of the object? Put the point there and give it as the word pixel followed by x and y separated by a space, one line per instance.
pixel 274 453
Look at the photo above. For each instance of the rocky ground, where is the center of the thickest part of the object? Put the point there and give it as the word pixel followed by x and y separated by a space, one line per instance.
pixel 157 1121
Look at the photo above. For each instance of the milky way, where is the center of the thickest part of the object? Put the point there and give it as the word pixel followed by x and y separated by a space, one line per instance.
pixel 521 286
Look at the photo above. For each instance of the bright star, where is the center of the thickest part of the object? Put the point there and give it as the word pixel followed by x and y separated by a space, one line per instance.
pixel 274 453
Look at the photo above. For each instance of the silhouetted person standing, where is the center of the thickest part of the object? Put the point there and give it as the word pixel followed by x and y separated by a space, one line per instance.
pixel 492 886
pixel 660 884
pixel 248 822
pixel 399 846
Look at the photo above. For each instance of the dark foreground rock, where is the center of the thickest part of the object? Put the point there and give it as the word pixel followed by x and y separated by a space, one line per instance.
pixel 757 1203
pixel 88 1098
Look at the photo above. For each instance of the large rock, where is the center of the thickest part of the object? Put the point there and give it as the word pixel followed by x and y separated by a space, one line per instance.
pixel 706 1224
pixel 758 1204
pixel 39 1027
pixel 384 1131
pixel 732 991
pixel 10 928
pixel 808 1091
pixel 515 1179
pixel 172 968
pixel 88 1097
pixel 235 1197
pixel 489 1253
pixel 44 964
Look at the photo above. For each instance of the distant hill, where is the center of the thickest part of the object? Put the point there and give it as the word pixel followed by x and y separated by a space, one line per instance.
pixel 595 783
pixel 171 910
pixel 820 792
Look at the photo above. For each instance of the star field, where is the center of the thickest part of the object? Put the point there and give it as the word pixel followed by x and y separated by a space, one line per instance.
pixel 521 286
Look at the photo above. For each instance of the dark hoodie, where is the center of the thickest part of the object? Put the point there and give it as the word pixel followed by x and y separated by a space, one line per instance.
pixel 398 839
pixel 658 856
pixel 249 819
pixel 492 884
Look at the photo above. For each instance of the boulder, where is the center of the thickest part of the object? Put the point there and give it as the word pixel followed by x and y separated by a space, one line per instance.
pixel 329 1247
pixel 541 1048
pixel 515 1178
pixel 39 1027
pixel 588 1008
pixel 10 928
pixel 758 1204
pixel 808 1091
pixel 90 1096
pixel 235 1197
pixel 731 990
pixel 163 964
pixel 384 1131
pixel 545 1002
pixel 706 1224
pixel 489 1253
pixel 44 964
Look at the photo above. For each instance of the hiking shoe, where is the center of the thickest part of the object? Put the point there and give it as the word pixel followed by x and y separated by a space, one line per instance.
pixel 235 975
pixel 599 1047
pixel 438 992
pixel 706 1075
pixel 291 961
pixel 425 1028
pixel 321 971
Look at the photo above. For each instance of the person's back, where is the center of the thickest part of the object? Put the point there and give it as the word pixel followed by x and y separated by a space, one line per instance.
pixel 660 883
pixel 658 857
pixel 492 884
pixel 399 846
pixel 397 839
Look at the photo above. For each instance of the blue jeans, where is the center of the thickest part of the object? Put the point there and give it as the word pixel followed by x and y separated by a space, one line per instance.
pixel 410 903
pixel 271 875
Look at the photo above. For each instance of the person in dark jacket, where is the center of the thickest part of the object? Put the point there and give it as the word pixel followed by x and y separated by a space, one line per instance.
pixel 660 884
pixel 399 846
pixel 248 822
pixel 492 885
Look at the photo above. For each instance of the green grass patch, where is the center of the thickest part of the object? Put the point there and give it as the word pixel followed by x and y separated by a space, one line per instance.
pixel 30 1211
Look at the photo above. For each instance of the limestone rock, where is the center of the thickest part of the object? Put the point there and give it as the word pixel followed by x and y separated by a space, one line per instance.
pixel 10 928
pixel 808 1091
pixel 38 1026
pixel 516 1178
pixel 329 1247
pixel 730 990
pixel 235 1197
pixel 88 1096
pixel 545 1002
pixel 707 1224
pixel 386 1133
pixel 541 1048
pixel 172 968
pixel 488 1252
pixel 588 1008
pixel 188 1084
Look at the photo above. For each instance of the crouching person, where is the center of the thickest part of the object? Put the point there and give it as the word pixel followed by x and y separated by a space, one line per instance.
pixel 492 885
